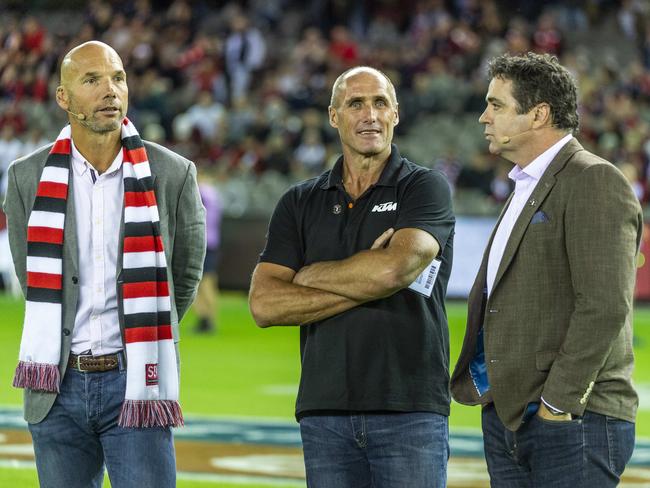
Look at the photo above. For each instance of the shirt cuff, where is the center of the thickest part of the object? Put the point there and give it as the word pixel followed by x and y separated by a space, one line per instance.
pixel 553 410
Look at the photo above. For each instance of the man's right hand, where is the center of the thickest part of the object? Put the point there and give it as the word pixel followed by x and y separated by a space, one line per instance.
pixel 307 273
pixel 383 240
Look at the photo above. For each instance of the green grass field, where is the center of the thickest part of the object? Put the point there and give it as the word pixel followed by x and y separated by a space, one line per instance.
pixel 246 371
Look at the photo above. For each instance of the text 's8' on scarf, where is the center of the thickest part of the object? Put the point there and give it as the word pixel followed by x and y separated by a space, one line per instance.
pixel 152 378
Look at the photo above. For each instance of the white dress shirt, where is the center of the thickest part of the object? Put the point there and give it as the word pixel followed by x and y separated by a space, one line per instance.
pixel 526 180
pixel 98 201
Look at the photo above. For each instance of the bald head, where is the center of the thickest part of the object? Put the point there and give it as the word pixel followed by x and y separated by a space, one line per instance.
pixel 339 85
pixel 93 88
pixel 70 64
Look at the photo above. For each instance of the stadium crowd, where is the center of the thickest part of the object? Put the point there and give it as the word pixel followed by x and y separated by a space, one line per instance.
pixel 242 89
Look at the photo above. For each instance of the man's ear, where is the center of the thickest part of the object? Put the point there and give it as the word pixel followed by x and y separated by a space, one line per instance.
pixel 62 97
pixel 333 117
pixel 396 118
pixel 542 115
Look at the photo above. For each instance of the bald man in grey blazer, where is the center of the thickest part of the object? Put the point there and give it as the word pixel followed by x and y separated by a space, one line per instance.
pixel 75 430
pixel 548 346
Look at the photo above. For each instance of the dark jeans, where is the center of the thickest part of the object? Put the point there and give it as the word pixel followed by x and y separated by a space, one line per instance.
pixel 587 452
pixel 369 450
pixel 80 434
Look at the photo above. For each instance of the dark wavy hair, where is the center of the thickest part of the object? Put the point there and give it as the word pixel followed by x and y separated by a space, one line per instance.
pixel 538 78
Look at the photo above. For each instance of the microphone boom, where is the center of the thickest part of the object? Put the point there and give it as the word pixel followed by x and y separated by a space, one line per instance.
pixel 77 116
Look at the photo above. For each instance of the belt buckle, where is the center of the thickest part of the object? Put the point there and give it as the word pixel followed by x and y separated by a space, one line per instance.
pixel 79 368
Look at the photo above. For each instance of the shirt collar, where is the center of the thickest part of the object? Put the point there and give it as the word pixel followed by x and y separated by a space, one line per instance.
pixel 390 175
pixel 538 166
pixel 80 165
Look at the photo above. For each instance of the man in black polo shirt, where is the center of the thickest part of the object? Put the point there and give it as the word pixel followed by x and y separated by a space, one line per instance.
pixel 360 258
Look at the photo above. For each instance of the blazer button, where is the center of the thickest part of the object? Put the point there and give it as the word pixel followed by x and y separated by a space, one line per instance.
pixel 66 332
pixel 75 280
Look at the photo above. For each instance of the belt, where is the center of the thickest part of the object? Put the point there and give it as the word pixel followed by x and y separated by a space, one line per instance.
pixel 92 364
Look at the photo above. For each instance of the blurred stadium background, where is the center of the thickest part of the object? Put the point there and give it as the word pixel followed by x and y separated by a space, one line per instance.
pixel 242 89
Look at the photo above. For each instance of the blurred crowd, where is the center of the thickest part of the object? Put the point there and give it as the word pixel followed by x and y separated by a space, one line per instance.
pixel 242 88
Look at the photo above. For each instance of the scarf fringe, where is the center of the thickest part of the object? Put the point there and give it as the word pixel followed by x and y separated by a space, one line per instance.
pixel 37 376
pixel 150 413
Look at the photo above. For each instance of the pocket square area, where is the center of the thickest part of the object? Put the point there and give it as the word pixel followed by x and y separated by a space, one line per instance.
pixel 539 217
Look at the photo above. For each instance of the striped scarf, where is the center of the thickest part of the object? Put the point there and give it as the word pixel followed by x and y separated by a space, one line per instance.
pixel 151 397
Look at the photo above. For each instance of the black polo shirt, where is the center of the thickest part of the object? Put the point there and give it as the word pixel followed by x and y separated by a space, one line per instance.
pixel 390 354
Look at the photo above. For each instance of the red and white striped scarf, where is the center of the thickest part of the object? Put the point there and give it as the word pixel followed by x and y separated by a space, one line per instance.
pixel 152 378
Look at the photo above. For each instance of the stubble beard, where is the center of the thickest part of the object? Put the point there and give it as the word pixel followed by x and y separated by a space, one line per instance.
pixel 102 128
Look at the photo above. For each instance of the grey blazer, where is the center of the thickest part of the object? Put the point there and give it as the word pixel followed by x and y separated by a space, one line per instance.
pixel 182 225
pixel 558 322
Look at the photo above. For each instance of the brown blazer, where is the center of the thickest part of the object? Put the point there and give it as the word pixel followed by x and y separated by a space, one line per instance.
pixel 558 323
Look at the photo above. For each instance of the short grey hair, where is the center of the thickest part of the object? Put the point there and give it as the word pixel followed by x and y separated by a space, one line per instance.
pixel 339 84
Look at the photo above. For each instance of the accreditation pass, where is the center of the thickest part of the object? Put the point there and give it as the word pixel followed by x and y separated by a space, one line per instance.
pixel 423 284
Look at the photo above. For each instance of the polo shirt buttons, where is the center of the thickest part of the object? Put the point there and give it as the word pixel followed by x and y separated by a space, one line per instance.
pixel 75 280
pixel 66 332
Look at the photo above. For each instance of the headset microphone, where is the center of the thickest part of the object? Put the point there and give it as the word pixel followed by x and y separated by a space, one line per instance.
pixel 77 116
pixel 507 139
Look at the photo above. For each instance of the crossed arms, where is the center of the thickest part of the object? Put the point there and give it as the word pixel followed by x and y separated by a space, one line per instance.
pixel 281 296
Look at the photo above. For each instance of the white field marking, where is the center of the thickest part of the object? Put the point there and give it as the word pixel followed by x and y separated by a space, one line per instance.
pixel 12 416
pixel 280 390
pixel 271 421
pixel 469 471
pixel 264 464
pixel 17 464
pixel 17 449
pixel 643 389
pixel 638 473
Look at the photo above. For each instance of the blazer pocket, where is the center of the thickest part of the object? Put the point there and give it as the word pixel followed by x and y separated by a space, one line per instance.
pixel 540 217
pixel 544 360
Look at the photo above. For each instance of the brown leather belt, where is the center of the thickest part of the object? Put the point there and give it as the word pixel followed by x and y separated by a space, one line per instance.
pixel 92 364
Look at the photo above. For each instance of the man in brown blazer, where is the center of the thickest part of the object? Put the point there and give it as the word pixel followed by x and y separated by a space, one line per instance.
pixel 548 346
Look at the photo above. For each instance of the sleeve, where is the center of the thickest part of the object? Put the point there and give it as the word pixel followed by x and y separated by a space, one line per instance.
pixel 189 243
pixel 283 241
pixel 426 205
pixel 17 217
pixel 602 240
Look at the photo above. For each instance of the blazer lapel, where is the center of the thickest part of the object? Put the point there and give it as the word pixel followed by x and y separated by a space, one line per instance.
pixel 71 251
pixel 70 265
pixel 538 196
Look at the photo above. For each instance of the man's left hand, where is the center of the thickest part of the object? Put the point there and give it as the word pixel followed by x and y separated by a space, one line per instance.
pixel 546 414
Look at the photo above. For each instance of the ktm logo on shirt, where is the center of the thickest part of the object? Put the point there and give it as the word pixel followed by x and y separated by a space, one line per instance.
pixel 385 207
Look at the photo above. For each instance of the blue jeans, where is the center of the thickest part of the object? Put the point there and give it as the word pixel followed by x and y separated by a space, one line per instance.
pixel 375 450
pixel 80 435
pixel 588 452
